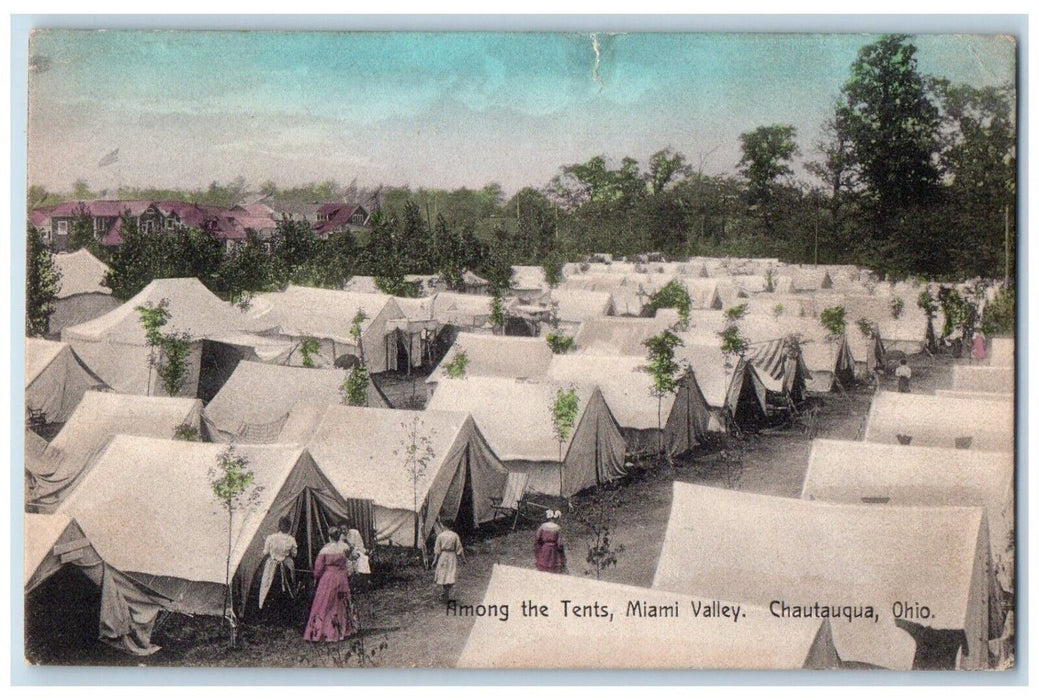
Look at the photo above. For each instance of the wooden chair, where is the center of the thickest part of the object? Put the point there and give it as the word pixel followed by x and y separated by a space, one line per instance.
pixel 511 500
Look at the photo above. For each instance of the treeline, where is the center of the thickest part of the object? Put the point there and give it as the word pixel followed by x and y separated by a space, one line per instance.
pixel 913 176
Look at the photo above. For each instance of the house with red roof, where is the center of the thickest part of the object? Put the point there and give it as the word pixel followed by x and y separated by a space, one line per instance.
pixel 337 217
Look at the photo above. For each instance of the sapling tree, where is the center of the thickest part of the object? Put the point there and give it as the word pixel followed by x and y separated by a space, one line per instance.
pixel 356 331
pixel 456 366
pixel 565 408
pixel 832 319
pixel 664 371
pixel 497 317
pixel 897 305
pixel 355 387
pixel 167 352
pixel 733 343
pixel 673 296
pixel 416 451
pixel 559 343
pixel 596 514
pixel 309 347
pixel 233 485
pixel 778 310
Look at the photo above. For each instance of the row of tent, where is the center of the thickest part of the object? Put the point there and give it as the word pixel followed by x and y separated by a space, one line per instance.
pixel 889 528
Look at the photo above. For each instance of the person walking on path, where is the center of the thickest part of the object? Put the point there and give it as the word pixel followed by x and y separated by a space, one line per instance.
pixel 446 552
pixel 904 374
pixel 549 554
pixel 332 615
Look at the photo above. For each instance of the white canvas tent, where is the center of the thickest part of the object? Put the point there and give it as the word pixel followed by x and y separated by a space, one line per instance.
pixel 99 417
pixel 516 417
pixel 327 316
pixel 362 450
pixel 999 380
pixel 55 379
pixel 618 335
pixel 81 296
pixel 974 395
pixel 771 552
pixel 756 641
pixel 574 306
pixel 933 421
pixel 128 611
pixel 628 390
pixel 255 402
pixel 864 472
pixel 508 356
pixel 149 509
pixel 115 348
pixel 464 311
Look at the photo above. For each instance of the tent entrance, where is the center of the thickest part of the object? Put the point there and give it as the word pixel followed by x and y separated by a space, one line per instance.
pixel 63 618
pixel 748 414
pixel 465 521
pixel 218 363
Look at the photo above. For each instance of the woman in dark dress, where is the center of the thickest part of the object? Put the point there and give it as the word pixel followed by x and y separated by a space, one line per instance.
pixel 549 554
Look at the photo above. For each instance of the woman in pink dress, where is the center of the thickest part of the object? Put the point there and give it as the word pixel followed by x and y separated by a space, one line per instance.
pixel 332 615
pixel 977 346
pixel 548 545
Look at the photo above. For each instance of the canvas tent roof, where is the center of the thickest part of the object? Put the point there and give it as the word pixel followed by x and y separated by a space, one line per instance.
pixel 320 313
pixel 516 418
pixel 933 421
pixel 576 305
pixel 462 309
pixel 81 273
pixel 974 395
pixel 193 309
pixel 759 641
pixel 861 472
pixel 991 379
pixel 761 549
pixel 258 395
pixel 97 418
pixel 618 336
pixel 1001 354
pixel 55 379
pixel 360 449
pixel 158 492
pixel 497 356
pixel 528 277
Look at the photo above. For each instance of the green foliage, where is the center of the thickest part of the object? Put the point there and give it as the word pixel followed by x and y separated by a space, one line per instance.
pixel 559 343
pixel 832 319
pixel 172 368
pixel 187 433
pixel 497 317
pixel 565 408
pixel 897 305
pixel 928 303
pixel 767 154
pixel 778 310
pixel 867 328
pixel 596 514
pixel 355 387
pixel 232 481
pixel 456 367
pixel 355 331
pixel 81 233
pixel 672 296
pixel 309 347
pixel 735 313
pixel 733 342
pixel 42 284
pixel 998 317
pixel 154 317
pixel 662 366
pixel 416 449
pixel 959 312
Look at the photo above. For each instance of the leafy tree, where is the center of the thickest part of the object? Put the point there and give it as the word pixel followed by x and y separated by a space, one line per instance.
pixel 778 310
pixel 416 448
pixel 187 433
pixel 832 319
pixel 357 332
pixel 665 167
pixel 355 387
pixel 596 513
pixel 42 284
pixel 767 153
pixel 672 296
pixel 308 347
pixel 456 367
pixel 130 267
pixel 233 486
pixel 664 370
pixel 890 119
pixel 867 328
pixel 81 233
pixel 897 305
pixel 999 314
pixel 928 303
pixel 497 317
pixel 564 409
pixel 559 343
pixel 172 370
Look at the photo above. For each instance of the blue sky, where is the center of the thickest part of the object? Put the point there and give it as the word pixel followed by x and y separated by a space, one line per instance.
pixel 426 109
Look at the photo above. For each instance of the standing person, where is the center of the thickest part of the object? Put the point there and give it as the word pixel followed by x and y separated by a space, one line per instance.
pixel 332 615
pixel 977 346
pixel 549 554
pixel 904 374
pixel 446 551
pixel 279 567
pixel 358 562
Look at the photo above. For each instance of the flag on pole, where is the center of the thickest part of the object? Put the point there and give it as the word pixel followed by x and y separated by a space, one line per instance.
pixel 112 157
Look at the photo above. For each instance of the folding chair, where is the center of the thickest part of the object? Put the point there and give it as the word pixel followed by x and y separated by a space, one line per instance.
pixel 511 499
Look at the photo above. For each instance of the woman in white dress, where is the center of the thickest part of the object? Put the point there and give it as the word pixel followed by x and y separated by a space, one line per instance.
pixel 446 552
pixel 279 567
